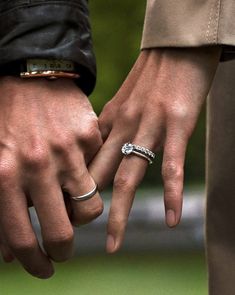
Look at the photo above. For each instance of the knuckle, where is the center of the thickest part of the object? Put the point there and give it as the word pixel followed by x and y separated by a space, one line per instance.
pixel 63 144
pixel 171 170
pixel 90 134
pixel 124 184
pixel 117 222
pixel 7 172
pixel 37 158
pixel 21 246
pixel 65 237
pixel 93 212
pixel 179 113
pixel 127 114
pixel 96 210
pixel 89 213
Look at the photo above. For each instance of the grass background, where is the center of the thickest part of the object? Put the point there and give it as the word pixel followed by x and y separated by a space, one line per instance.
pixel 121 274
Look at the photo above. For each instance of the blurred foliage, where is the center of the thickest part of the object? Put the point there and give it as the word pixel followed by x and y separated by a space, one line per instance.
pixel 117 29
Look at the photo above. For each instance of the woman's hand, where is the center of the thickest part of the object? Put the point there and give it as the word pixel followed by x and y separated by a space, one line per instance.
pixel 48 135
pixel 157 107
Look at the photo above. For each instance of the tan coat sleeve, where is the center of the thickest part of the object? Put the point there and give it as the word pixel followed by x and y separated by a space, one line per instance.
pixel 190 23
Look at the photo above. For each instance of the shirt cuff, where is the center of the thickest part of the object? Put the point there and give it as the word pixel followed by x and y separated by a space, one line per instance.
pixel 190 23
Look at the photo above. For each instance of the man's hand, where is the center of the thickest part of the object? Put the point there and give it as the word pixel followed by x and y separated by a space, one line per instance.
pixel 48 135
pixel 157 107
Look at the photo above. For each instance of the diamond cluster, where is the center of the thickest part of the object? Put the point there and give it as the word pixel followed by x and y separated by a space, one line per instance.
pixel 127 148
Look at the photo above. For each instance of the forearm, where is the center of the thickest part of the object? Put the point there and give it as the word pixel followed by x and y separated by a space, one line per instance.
pixel 48 29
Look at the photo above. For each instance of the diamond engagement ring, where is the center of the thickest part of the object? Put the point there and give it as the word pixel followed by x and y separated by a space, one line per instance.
pixel 86 196
pixel 130 148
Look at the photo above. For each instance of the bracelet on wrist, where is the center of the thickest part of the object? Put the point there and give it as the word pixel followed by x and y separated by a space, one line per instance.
pixel 51 75
pixel 40 68
pixel 50 69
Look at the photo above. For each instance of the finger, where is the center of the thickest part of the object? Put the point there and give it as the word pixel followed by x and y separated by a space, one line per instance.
pixel 57 231
pixel 18 232
pixel 105 123
pixel 6 253
pixel 107 160
pixel 105 164
pixel 130 173
pixel 173 174
pixel 89 141
pixel 78 182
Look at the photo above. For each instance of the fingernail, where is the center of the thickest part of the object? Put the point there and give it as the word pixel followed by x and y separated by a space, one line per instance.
pixel 170 218
pixel 110 245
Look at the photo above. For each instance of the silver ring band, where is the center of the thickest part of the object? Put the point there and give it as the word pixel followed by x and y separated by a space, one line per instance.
pixel 86 196
pixel 130 148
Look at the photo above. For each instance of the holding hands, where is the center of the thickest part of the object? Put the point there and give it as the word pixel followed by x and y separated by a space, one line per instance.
pixel 50 135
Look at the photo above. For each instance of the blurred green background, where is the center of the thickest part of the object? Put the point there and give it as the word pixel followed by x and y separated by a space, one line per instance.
pixel 117 28
pixel 122 274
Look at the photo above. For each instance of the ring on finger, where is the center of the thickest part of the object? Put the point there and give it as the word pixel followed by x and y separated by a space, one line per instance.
pixel 140 151
pixel 86 196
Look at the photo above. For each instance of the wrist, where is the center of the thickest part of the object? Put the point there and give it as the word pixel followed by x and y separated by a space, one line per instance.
pixel 212 53
pixel 186 68
pixel 26 88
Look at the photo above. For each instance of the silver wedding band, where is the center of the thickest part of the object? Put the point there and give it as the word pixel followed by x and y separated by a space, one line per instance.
pixel 140 151
pixel 86 196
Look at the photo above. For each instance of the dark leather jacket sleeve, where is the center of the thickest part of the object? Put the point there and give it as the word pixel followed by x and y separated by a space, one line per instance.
pixel 57 29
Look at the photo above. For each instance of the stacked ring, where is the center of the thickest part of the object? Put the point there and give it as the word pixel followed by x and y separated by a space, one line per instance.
pixel 130 148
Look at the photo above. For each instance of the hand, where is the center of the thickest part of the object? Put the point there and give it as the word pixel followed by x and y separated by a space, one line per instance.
pixel 157 107
pixel 48 135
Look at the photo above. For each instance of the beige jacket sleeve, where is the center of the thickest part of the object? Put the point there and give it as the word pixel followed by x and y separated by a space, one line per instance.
pixel 190 23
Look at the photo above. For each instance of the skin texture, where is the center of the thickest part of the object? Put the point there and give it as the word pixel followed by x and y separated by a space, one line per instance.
pixel 156 107
pixel 48 135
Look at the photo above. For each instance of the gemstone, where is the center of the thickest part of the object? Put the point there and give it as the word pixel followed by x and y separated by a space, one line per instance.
pixel 127 149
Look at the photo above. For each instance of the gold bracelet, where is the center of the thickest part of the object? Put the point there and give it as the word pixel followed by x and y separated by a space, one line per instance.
pixel 49 68
pixel 51 75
